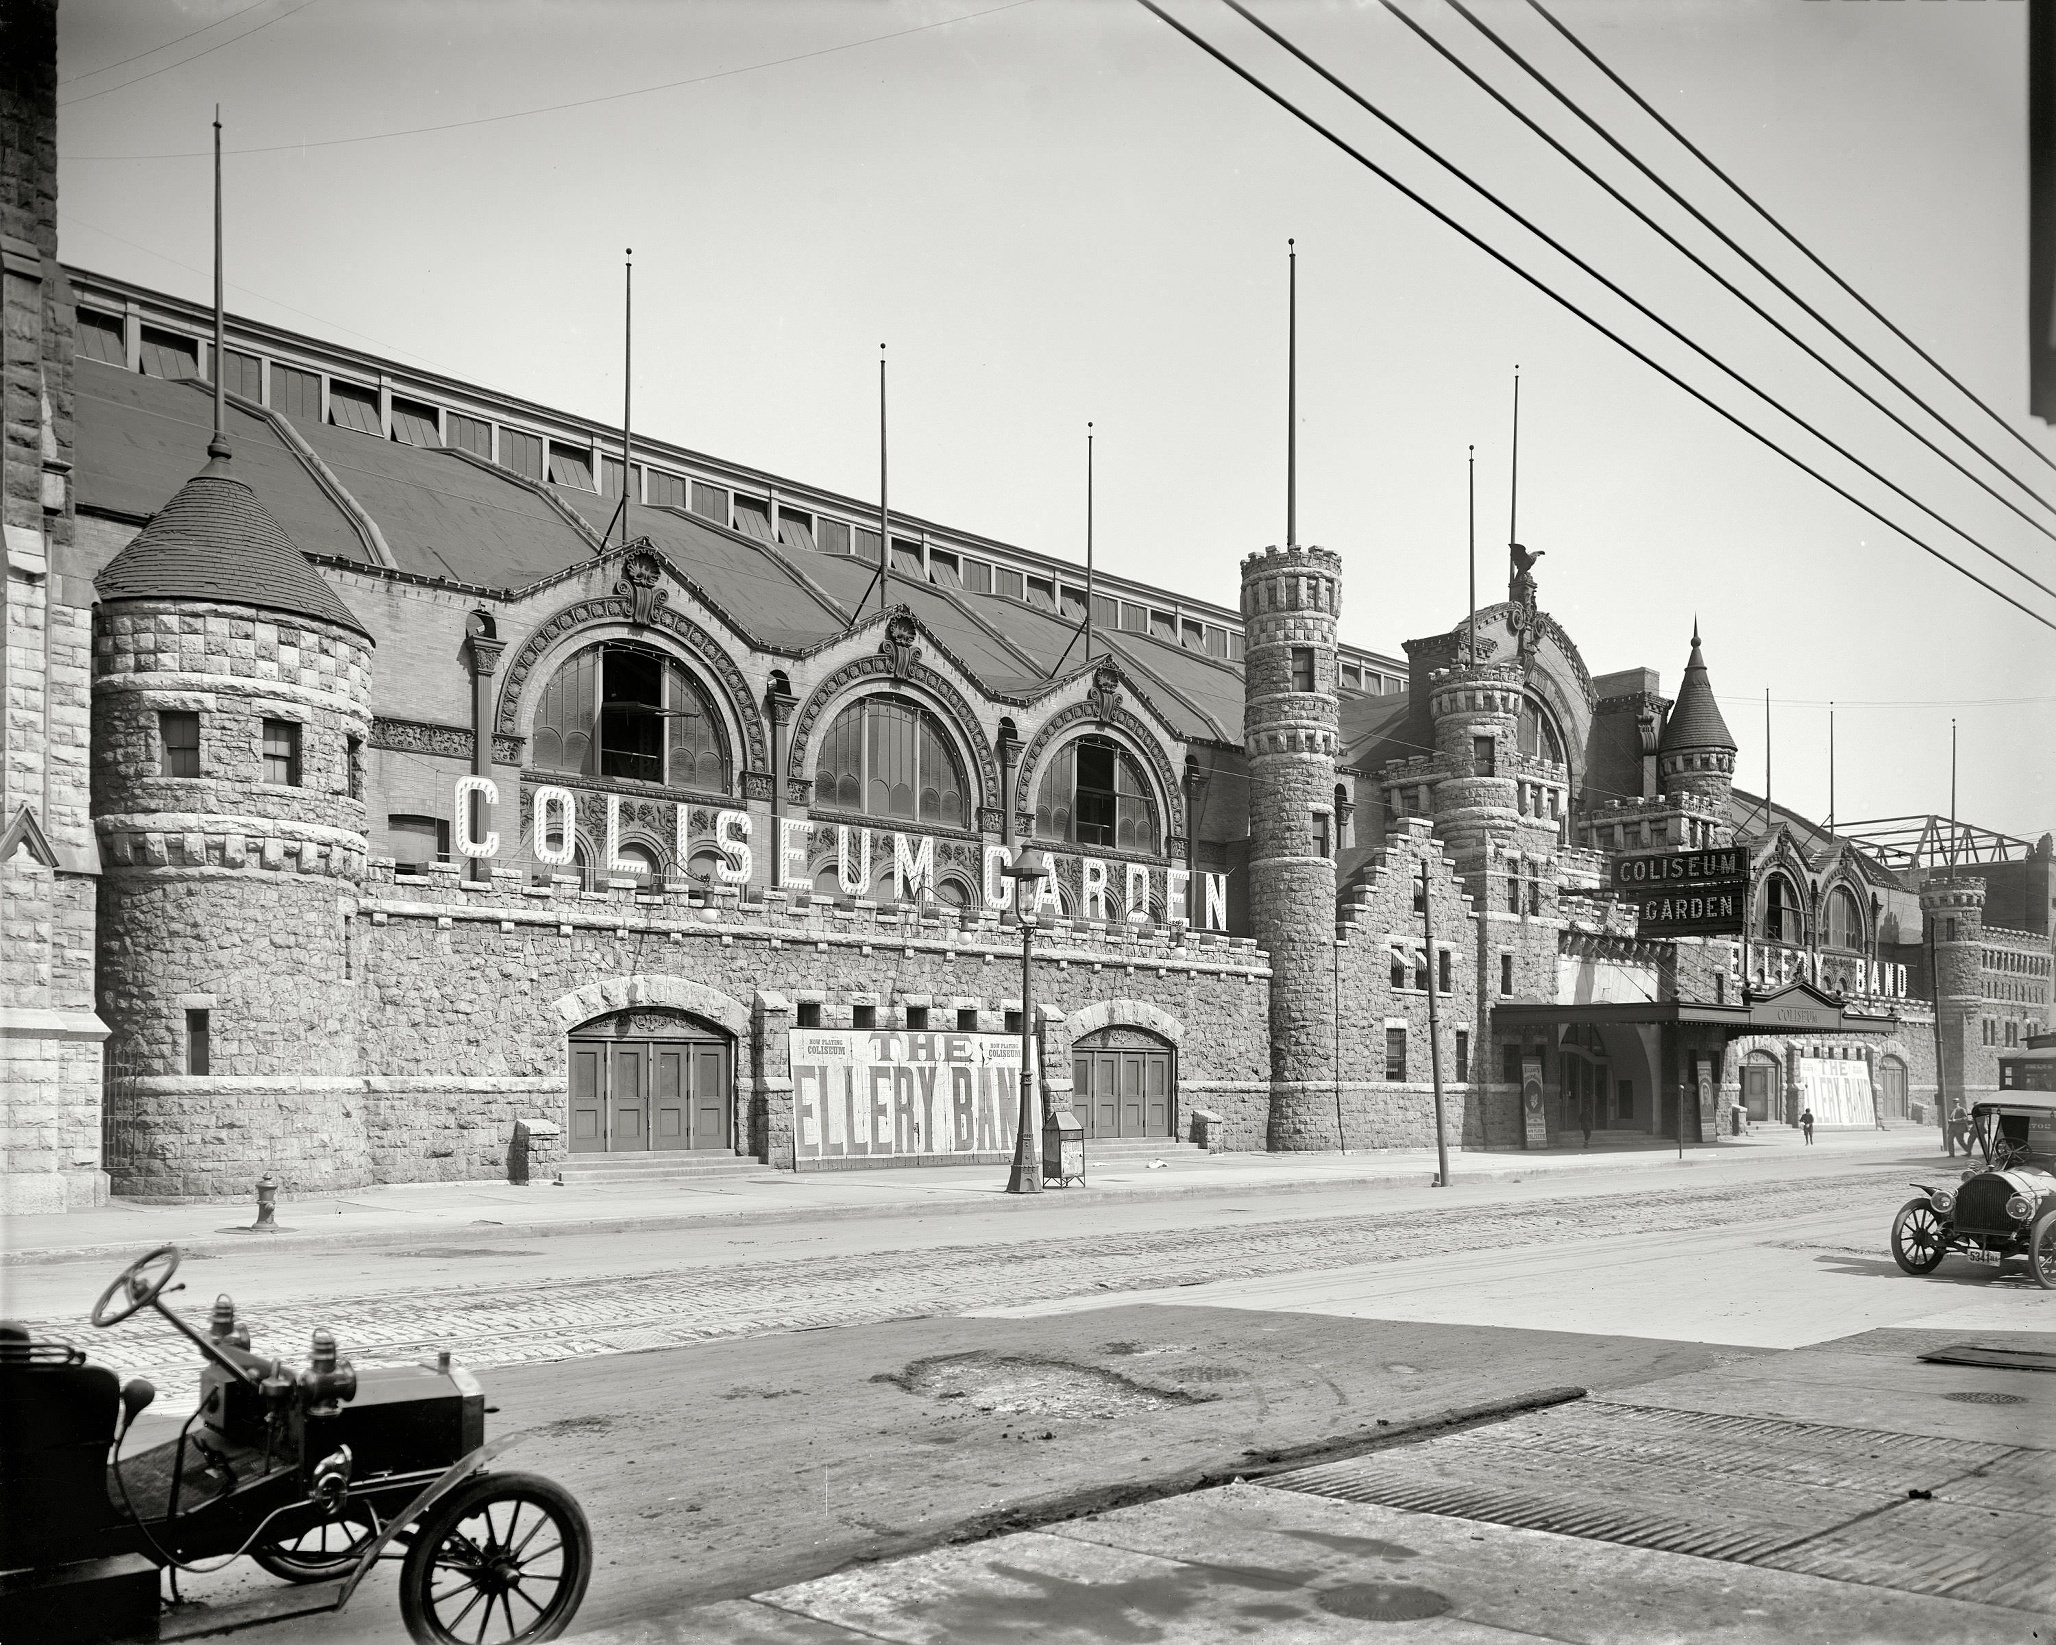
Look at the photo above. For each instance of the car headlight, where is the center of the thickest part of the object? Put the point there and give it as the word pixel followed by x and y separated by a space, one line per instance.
pixel 2020 1208
pixel 1943 1201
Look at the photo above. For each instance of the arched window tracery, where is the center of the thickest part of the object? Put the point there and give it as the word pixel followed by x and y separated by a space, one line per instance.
pixel 1093 793
pixel 616 709
pixel 1844 921
pixel 888 757
pixel 1784 917
pixel 1536 733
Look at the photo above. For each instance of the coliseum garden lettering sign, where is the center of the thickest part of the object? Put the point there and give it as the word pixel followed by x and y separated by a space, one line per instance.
pixel 1109 890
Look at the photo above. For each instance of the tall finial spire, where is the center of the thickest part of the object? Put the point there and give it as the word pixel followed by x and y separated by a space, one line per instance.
pixel 1471 484
pixel 1291 395
pixel 1088 543
pixel 627 383
pixel 884 517
pixel 217 447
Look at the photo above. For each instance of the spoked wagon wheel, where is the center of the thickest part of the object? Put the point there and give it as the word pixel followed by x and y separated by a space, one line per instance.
pixel 321 1550
pixel 2041 1251
pixel 502 1559
pixel 1917 1244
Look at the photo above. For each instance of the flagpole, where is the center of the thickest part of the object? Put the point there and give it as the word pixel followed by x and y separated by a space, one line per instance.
pixel 1513 495
pixel 1291 395
pixel 1831 766
pixel 627 380
pixel 884 517
pixel 1088 543
pixel 218 445
pixel 1471 483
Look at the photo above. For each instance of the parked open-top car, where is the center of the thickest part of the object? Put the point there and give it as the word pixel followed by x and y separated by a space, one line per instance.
pixel 315 1474
pixel 2004 1212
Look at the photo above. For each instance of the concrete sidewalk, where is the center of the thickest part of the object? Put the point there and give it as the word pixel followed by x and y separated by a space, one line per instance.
pixel 410 1212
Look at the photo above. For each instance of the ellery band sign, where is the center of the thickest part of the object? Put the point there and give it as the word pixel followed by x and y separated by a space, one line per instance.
pixel 1687 893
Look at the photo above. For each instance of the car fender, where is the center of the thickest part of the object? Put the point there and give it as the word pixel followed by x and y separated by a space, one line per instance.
pixel 452 1477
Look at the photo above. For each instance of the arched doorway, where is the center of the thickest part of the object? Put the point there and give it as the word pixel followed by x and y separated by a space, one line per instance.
pixel 651 1080
pixel 1124 1083
pixel 1892 1098
pixel 1759 1085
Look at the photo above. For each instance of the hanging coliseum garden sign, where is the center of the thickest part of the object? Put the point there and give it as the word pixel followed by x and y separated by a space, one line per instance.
pixel 1108 890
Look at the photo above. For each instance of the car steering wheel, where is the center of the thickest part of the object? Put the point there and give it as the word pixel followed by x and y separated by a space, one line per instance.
pixel 2006 1153
pixel 138 1285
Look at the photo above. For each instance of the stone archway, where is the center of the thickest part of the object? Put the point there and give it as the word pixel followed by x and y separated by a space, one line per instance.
pixel 1123 1057
pixel 652 1064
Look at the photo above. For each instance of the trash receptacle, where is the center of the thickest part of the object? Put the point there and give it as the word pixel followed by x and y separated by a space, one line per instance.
pixel 1063 1150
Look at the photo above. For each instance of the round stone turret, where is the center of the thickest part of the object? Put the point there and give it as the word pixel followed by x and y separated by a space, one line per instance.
pixel 231 706
pixel 1290 719
pixel 1696 754
pixel 1953 913
pixel 1476 713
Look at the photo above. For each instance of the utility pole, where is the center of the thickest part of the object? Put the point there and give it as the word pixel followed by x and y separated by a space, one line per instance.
pixel 1434 1029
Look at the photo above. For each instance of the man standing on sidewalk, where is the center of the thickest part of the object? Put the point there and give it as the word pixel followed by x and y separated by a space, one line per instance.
pixel 1806 1124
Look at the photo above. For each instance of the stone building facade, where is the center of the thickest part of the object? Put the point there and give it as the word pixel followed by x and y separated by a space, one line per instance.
pixel 404 786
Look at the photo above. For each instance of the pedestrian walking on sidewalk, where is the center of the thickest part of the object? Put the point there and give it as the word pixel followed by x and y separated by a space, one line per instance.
pixel 1959 1129
pixel 1585 1121
pixel 1806 1125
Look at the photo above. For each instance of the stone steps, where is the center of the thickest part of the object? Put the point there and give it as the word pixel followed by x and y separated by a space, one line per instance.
pixel 580 1170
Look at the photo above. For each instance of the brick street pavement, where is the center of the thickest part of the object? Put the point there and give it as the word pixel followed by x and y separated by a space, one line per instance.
pixel 664 1305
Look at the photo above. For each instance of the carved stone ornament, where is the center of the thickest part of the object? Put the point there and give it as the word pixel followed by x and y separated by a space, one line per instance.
pixel 898 644
pixel 1648 725
pixel 757 785
pixel 639 583
pixel 1104 697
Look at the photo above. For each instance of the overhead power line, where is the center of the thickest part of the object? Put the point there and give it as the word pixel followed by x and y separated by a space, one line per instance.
pixel 1494 93
pixel 1613 286
pixel 176 40
pixel 1557 297
pixel 1797 244
pixel 223 45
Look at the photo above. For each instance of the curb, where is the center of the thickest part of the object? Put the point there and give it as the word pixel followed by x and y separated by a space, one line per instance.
pixel 212 1246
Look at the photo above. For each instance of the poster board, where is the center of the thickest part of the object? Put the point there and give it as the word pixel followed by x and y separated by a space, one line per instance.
pixel 1534 1120
pixel 876 1095
pixel 1837 1090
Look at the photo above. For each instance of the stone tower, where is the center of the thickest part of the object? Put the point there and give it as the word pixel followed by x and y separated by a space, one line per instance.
pixel 1289 733
pixel 1953 912
pixel 1696 754
pixel 1476 715
pixel 231 705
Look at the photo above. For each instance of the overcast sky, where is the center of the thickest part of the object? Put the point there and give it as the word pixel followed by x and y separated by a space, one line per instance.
pixel 1056 210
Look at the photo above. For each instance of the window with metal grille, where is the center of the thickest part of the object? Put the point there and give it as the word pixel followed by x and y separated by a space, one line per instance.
pixel 414 423
pixel 470 434
pixel 199 1042
pixel 522 453
pixel 353 406
pixel 243 374
pixel 621 710
pixel 102 337
pixel 178 741
pixel 166 354
pixel 571 466
pixel 282 753
pixel 1395 1053
pixel 889 758
pixel 1094 793
pixel 1302 668
pixel 710 502
pixel 663 490
pixel 1463 1056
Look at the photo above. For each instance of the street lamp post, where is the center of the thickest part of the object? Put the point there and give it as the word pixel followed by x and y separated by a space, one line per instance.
pixel 1028 870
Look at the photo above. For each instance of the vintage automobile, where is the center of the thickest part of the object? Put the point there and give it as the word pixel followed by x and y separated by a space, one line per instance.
pixel 1995 1215
pixel 315 1474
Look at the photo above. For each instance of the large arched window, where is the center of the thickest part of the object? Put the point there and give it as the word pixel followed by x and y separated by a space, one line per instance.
pixel 1093 793
pixel 1783 918
pixel 1845 921
pixel 619 710
pixel 1537 733
pixel 887 757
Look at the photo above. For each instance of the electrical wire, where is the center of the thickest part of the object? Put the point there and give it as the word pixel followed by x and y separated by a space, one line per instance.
pixel 548 108
pixel 1797 244
pixel 1735 291
pixel 109 91
pixel 190 34
pixel 1564 302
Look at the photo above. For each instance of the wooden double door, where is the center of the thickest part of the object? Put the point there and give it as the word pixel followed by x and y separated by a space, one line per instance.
pixel 635 1094
pixel 1123 1085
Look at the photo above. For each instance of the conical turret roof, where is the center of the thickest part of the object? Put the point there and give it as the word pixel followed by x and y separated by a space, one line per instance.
pixel 215 541
pixel 1694 720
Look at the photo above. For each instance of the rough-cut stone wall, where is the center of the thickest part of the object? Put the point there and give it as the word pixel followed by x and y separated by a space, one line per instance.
pixel 232 896
pixel 1289 604
pixel 49 1035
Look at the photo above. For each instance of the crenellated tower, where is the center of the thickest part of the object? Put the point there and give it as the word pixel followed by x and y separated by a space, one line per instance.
pixel 1953 912
pixel 1696 754
pixel 231 691
pixel 1290 736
